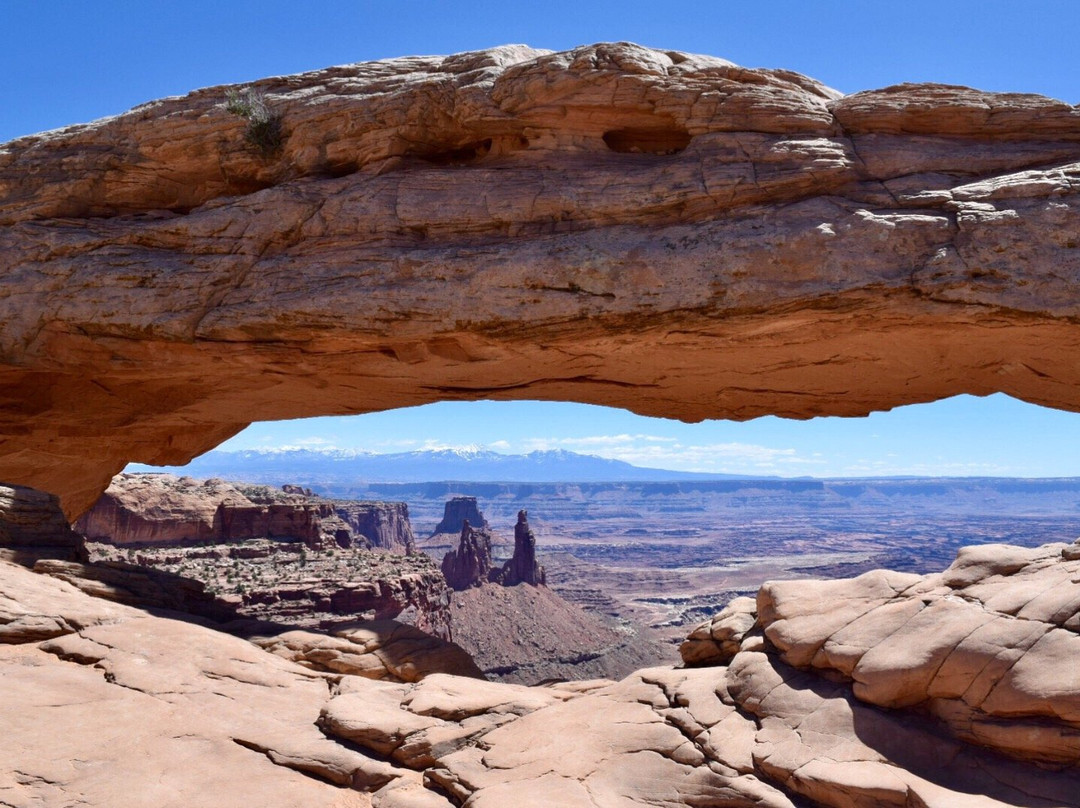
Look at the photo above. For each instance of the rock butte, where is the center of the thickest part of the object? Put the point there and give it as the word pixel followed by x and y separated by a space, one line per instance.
pixel 660 231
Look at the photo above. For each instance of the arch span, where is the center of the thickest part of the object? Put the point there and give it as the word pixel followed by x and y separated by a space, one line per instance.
pixel 791 251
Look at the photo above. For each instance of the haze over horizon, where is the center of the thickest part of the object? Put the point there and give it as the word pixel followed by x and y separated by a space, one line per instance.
pixel 964 436
pixel 127 54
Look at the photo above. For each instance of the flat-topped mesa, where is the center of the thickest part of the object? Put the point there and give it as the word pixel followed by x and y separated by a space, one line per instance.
pixel 459 511
pixel 165 509
pixel 654 230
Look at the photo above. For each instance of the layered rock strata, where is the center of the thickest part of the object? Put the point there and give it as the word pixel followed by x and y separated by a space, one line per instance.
pixel 142 509
pixel 456 512
pixel 184 545
pixel 522 567
pixel 164 509
pixel 469 564
pixel 32 528
pixel 277 582
pixel 655 230
pixel 383 524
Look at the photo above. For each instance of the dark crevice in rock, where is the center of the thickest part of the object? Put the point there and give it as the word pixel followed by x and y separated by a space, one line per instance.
pixel 664 141
pixel 453 155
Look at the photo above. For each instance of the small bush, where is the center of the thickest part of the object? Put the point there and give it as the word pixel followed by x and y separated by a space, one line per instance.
pixel 264 132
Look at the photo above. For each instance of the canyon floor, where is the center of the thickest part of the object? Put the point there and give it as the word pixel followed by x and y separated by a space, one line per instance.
pixel 665 556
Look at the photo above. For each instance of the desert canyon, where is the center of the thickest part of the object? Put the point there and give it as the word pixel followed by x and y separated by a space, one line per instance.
pixel 665 232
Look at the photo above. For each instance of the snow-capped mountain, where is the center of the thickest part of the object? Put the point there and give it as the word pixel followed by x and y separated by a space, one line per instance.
pixel 467 464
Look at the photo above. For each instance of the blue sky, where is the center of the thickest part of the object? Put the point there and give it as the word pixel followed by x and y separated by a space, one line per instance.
pixel 65 62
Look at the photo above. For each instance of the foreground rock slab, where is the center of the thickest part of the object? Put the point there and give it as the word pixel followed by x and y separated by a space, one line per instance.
pixel 654 230
pixel 106 705
pixel 121 708
pixel 988 647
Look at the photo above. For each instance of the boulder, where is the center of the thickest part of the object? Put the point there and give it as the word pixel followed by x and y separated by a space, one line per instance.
pixel 987 646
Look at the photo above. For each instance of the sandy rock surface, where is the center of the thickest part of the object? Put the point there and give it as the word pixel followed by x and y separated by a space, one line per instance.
pixel 988 647
pixel 379 649
pixel 106 705
pixel 655 230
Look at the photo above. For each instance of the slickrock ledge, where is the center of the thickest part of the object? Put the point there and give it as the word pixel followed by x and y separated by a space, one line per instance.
pixel 654 230
pixel 106 705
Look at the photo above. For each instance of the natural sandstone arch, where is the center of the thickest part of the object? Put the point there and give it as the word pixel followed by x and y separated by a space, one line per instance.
pixel 663 232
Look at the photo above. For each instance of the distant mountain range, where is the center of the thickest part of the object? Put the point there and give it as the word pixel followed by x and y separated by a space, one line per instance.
pixel 336 467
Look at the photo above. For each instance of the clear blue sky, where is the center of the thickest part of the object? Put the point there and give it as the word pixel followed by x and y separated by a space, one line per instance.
pixel 64 62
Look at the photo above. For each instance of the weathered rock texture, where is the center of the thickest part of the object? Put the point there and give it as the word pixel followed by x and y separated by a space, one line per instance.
pixel 379 649
pixel 165 509
pixel 141 586
pixel 32 527
pixel 522 567
pixel 268 580
pixel 654 230
pixel 989 647
pixel 383 524
pixel 469 564
pixel 458 511
pixel 234 551
pixel 104 705
pixel 145 509
pixel 986 649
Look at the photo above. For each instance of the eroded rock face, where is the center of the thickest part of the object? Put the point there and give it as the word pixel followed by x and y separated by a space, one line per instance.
pixel 32 527
pixel 987 647
pixel 470 564
pixel 200 707
pixel 522 567
pixel 166 509
pixel 654 230
pixel 383 524
pixel 143 509
pixel 458 511
pixel 379 649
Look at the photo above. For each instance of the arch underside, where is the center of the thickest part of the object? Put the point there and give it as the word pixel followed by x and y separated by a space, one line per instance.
pixel 680 238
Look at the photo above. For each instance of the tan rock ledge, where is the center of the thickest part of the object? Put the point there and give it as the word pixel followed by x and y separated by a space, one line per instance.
pixel 659 231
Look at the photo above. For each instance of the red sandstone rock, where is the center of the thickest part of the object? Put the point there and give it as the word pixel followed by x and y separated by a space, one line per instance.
pixel 659 231
pixel 522 567
pixel 988 646
pixel 470 564
pixel 380 649
pixel 165 509
pixel 32 527
pixel 719 639
pixel 161 708
pixel 457 512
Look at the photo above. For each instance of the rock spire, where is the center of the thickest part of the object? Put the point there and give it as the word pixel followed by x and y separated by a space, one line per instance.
pixel 470 564
pixel 522 568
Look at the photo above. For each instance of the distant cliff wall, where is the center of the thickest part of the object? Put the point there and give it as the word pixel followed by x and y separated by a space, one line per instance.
pixel 383 524
pixel 164 509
